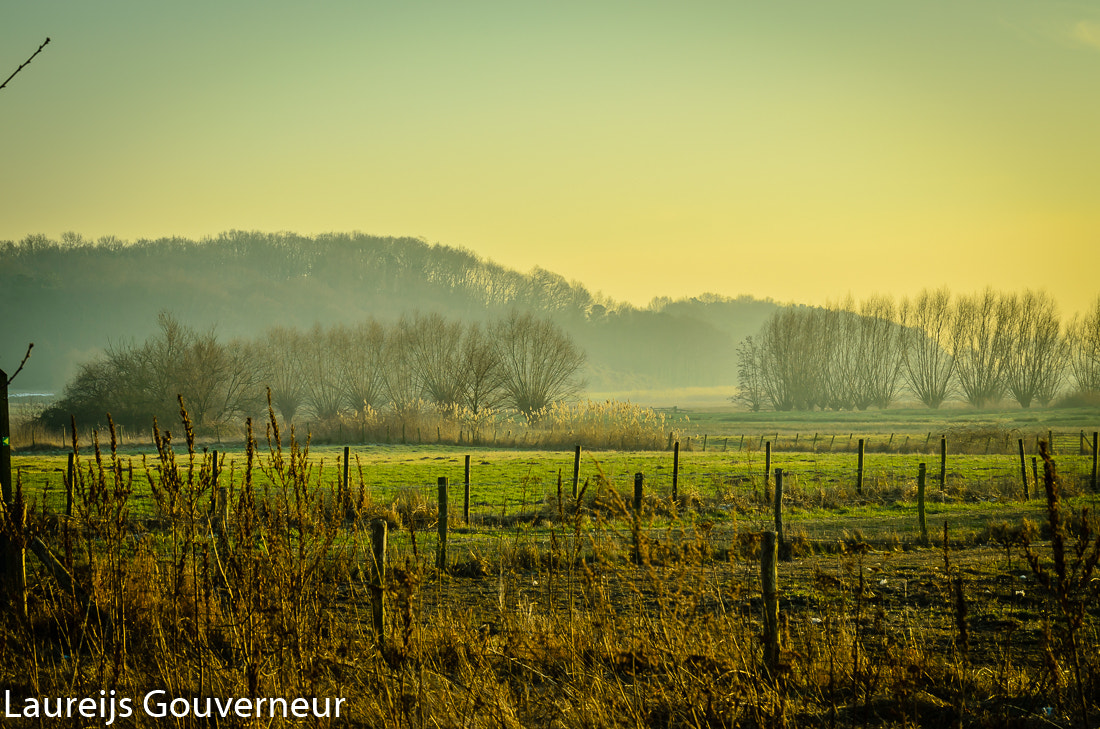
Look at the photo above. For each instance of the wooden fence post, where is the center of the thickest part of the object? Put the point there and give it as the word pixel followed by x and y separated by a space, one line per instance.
pixel 345 484
pixel 676 471
pixel 779 513
pixel 943 462
pixel 859 469
pixel 1035 471
pixel 441 552
pixel 1023 470
pixel 221 501
pixel 704 443
pixel 768 471
pixel 466 491
pixel 769 580
pixel 638 478
pixel 576 468
pixel 13 559
pixel 1094 444
pixel 378 531
pixel 70 481
pixel 921 477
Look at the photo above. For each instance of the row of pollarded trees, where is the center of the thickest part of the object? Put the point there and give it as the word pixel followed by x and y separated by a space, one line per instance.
pixel 933 347
pixel 520 362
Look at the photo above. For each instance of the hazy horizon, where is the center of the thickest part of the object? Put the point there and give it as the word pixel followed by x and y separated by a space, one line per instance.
pixel 796 151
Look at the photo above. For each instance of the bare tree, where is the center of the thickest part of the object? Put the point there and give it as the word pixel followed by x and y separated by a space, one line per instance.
pixel 203 367
pixel 794 357
pixel 282 372
pixel 980 339
pixel 541 364
pixel 435 357
pixel 750 376
pixel 880 349
pixel 319 369
pixel 360 352
pixel 927 365
pixel 482 375
pixel 1035 355
pixel 837 335
pixel 401 383
pixel 219 381
pixel 1084 351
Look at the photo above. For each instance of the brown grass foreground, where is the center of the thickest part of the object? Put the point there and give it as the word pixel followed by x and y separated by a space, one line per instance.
pixel 605 625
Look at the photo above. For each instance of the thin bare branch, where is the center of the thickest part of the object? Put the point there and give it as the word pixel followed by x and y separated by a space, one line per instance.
pixel 25 63
pixel 25 358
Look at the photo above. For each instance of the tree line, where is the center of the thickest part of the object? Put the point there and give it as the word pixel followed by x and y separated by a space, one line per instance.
pixel 519 361
pixel 246 282
pixel 981 347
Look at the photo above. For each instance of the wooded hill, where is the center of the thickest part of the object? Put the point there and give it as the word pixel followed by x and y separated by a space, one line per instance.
pixel 73 297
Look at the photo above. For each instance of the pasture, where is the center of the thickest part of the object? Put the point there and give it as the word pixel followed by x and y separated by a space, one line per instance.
pixel 550 610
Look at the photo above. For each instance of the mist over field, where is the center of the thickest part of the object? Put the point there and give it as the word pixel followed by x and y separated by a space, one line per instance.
pixel 75 297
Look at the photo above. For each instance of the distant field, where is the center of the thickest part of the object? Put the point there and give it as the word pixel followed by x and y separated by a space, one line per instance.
pixel 901 421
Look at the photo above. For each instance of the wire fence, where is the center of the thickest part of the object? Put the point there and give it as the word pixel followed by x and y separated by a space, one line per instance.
pixel 823 487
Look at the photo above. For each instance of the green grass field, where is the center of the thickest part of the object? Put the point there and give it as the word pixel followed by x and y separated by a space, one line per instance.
pixel 552 611
pixel 725 484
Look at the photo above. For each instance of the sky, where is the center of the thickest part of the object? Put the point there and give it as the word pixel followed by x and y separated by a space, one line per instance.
pixel 802 151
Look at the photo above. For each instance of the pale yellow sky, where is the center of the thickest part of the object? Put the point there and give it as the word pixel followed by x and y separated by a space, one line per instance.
pixel 800 151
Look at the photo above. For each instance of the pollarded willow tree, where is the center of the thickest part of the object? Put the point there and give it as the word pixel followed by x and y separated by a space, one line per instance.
pixel 434 351
pixel 319 365
pixel 794 357
pixel 840 357
pixel 281 370
pixel 927 364
pixel 361 359
pixel 539 362
pixel 481 370
pixel 880 342
pixel 981 338
pixel 1084 351
pixel 1036 352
